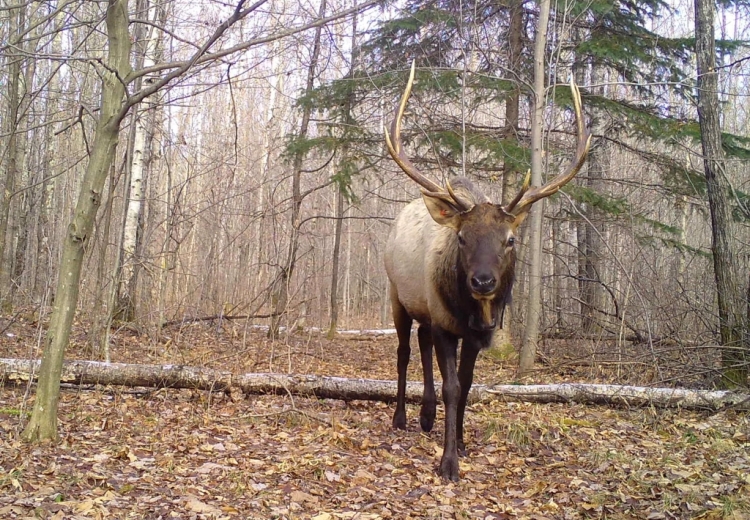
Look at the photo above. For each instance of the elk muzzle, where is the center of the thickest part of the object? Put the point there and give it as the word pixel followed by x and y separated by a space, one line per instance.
pixel 485 320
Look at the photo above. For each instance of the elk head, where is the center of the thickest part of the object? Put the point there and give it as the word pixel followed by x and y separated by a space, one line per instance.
pixel 485 232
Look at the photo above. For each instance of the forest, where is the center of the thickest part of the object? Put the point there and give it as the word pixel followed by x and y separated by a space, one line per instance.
pixel 206 185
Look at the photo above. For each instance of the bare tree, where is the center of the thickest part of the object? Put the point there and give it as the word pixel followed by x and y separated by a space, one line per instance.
pixel 283 279
pixel 147 43
pixel 116 73
pixel 502 339
pixel 343 164
pixel 12 151
pixel 43 422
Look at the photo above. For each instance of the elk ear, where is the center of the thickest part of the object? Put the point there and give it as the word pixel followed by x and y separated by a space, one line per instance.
pixel 442 211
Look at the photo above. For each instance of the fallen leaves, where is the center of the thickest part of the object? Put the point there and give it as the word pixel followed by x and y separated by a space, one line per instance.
pixel 225 462
pixel 184 454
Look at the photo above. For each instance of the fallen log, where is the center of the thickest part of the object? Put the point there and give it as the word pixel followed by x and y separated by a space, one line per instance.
pixel 349 389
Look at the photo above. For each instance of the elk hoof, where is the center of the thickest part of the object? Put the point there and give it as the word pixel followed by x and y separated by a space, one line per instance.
pixel 399 420
pixel 427 417
pixel 449 468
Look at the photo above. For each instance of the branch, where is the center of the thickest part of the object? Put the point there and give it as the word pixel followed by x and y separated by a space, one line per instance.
pixel 201 57
pixel 183 67
pixel 218 317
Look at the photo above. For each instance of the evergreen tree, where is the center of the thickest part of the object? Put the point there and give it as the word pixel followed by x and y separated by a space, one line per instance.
pixel 467 76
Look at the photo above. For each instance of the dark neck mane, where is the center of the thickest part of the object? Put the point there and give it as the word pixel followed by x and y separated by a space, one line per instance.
pixel 457 297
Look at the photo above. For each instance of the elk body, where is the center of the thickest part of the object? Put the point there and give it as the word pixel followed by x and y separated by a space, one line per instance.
pixel 450 259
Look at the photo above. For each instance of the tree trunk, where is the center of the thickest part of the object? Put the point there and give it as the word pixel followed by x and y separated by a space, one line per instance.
pixel 100 318
pixel 22 210
pixel 167 254
pixel 285 277
pixel 733 325
pixel 271 132
pixel 17 19
pixel 559 268
pixel 534 304
pixel 502 340
pixel 325 387
pixel 147 41
pixel 125 308
pixel 591 245
pixel 344 177
pixel 513 100
pixel 43 422
pixel 336 260
pixel 41 279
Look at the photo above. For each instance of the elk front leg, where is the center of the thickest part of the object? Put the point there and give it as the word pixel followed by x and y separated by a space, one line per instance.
pixel 445 348
pixel 469 352
pixel 427 411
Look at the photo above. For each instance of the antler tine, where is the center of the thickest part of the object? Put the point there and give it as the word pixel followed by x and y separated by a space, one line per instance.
pixel 521 193
pixel 396 149
pixel 582 150
pixel 457 200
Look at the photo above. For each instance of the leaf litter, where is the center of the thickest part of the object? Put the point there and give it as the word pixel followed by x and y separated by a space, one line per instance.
pixel 144 454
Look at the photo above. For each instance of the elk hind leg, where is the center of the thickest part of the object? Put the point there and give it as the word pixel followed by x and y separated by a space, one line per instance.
pixel 403 322
pixel 427 411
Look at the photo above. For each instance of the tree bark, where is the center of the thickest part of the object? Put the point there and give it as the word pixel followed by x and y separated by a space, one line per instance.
pixel 10 174
pixel 513 100
pixel 44 253
pixel 534 303
pixel 281 298
pixel 348 123
pixel 733 325
pixel 147 39
pixel 335 263
pixel 346 389
pixel 22 210
pixel 590 244
pixel 43 422
pixel 502 339
pixel 100 319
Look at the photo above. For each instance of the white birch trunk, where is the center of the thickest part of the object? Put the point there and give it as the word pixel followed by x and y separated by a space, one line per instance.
pixel 349 389
pixel 141 121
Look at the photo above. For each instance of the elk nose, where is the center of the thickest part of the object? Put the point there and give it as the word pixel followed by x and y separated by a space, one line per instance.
pixel 483 283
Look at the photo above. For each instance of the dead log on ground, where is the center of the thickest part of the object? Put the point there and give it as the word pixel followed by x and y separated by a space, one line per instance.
pixel 349 389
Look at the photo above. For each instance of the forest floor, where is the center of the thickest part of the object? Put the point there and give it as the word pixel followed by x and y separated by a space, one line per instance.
pixel 129 453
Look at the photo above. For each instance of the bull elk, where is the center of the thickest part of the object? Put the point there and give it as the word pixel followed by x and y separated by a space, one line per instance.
pixel 450 259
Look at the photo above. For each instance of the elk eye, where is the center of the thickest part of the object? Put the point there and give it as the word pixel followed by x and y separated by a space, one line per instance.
pixel 461 240
pixel 511 241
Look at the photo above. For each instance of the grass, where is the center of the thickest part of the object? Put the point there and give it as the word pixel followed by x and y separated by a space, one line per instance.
pixel 518 434
pixel 15 412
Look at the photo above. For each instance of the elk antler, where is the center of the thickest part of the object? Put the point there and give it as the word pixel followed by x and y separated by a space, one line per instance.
pixel 396 149
pixel 528 196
